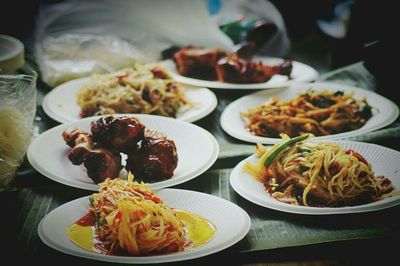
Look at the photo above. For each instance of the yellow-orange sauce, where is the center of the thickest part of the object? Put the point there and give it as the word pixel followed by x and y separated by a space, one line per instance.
pixel 197 228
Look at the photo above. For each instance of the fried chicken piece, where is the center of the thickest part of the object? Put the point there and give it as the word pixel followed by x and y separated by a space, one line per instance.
pixel 198 62
pixel 155 160
pixel 217 64
pixel 101 163
pixel 119 133
pixel 236 70
pixel 81 143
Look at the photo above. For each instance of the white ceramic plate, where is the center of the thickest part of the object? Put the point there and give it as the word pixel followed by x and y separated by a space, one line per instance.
pixel 384 111
pixel 384 162
pixel 197 151
pixel 52 229
pixel 60 104
pixel 300 73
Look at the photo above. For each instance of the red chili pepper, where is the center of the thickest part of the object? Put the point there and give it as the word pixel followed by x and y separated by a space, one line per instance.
pixel 156 200
pixel 357 155
pixel 118 216
pixel 159 73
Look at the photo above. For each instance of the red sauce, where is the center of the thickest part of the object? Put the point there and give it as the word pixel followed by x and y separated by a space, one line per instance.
pixel 87 220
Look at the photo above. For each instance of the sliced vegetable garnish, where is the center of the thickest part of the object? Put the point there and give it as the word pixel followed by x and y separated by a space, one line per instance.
pixel 272 155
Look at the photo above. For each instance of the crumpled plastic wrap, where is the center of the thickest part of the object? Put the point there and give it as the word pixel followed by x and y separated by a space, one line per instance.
pixel 79 37
pixel 76 38
pixel 70 56
pixel 17 112
pixel 230 10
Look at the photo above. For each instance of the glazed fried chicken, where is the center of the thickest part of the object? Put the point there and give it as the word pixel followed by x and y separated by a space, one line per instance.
pixel 156 158
pixel 81 143
pixel 151 156
pixel 198 62
pixel 100 163
pixel 217 64
pixel 236 70
pixel 119 133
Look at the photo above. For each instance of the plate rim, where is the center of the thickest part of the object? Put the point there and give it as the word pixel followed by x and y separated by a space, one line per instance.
pixel 265 140
pixel 314 74
pixel 59 118
pixel 306 210
pixel 197 253
pixel 94 187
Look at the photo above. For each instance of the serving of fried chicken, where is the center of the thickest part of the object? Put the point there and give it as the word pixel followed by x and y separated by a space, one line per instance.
pixel 217 64
pixel 151 155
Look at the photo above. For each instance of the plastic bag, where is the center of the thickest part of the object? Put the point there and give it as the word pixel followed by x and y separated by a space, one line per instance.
pixel 76 38
pixel 232 10
pixel 80 37
pixel 70 56
pixel 17 111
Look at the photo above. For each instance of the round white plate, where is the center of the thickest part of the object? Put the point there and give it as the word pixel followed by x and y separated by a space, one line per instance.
pixel 197 151
pixel 384 162
pixel 52 229
pixel 300 73
pixel 60 104
pixel 384 111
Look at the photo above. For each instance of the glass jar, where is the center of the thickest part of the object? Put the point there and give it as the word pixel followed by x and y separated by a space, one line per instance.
pixel 17 108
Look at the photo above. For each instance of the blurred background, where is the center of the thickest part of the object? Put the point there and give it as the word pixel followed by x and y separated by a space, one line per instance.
pixel 325 34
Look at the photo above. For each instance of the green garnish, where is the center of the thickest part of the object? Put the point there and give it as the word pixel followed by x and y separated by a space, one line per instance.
pixel 305 150
pixel 280 148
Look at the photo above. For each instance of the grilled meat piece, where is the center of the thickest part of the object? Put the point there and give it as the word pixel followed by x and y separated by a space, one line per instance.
pixel 217 64
pixel 81 143
pixel 101 163
pixel 233 69
pixel 120 133
pixel 198 62
pixel 155 160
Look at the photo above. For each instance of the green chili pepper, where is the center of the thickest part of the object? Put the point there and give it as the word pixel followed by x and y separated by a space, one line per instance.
pixel 304 150
pixel 91 200
pixel 284 145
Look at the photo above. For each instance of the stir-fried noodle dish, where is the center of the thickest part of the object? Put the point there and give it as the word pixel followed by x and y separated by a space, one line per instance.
pixel 318 112
pixel 317 174
pixel 142 89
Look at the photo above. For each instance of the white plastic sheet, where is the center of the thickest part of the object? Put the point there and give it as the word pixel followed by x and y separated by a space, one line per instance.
pixel 79 37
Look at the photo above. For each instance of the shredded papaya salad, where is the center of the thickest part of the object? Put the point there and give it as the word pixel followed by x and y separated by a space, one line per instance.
pixel 317 174
pixel 131 218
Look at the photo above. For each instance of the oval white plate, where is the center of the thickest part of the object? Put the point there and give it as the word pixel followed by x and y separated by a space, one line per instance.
pixel 300 73
pixel 52 229
pixel 60 104
pixel 384 111
pixel 197 151
pixel 384 162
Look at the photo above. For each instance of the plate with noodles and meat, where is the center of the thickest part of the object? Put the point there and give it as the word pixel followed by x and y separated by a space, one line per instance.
pixel 156 149
pixel 325 110
pixel 142 89
pixel 127 222
pixel 219 69
pixel 306 176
